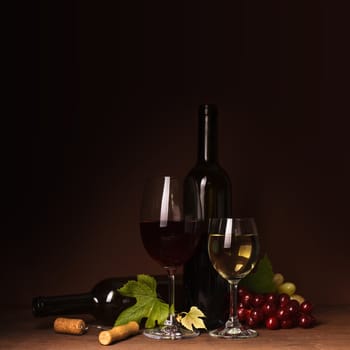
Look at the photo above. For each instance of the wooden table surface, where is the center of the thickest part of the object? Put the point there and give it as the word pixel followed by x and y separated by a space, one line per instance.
pixel 20 330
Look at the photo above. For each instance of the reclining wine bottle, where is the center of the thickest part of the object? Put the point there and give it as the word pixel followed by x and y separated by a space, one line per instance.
pixel 203 286
pixel 103 302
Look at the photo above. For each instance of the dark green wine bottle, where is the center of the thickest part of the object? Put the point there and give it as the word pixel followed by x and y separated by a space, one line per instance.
pixel 103 302
pixel 203 285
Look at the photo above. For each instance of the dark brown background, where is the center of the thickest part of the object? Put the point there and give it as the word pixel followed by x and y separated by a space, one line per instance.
pixel 105 93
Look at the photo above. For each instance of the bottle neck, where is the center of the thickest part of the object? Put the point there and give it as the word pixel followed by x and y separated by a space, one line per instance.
pixel 207 134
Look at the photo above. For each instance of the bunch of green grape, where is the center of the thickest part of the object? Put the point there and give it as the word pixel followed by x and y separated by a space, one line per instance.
pixel 287 288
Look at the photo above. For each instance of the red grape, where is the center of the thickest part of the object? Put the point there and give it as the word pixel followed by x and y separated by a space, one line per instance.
pixel 251 322
pixel 306 307
pixel 241 312
pixel 293 307
pixel 246 299
pixel 271 297
pixel 306 321
pixel 272 323
pixel 247 313
pixel 257 300
pixel 269 309
pixel 242 291
pixel 283 314
pixel 287 323
pixel 283 299
pixel 257 315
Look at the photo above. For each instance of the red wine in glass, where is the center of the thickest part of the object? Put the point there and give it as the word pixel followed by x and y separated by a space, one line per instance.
pixel 170 245
pixel 170 235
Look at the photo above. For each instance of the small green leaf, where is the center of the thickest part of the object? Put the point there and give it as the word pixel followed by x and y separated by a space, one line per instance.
pixel 149 280
pixel 260 280
pixel 147 305
pixel 193 319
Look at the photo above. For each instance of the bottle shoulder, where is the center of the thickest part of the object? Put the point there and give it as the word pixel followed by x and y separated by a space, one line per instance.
pixel 213 172
pixel 108 284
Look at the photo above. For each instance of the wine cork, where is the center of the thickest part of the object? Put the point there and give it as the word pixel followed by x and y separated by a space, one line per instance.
pixel 118 333
pixel 69 326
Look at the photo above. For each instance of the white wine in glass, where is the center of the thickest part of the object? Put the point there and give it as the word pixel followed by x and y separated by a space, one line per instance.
pixel 233 248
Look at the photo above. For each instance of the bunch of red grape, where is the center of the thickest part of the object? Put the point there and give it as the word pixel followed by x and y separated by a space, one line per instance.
pixel 275 310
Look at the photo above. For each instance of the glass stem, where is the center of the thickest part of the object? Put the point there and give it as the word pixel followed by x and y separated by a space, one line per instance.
pixel 233 318
pixel 171 275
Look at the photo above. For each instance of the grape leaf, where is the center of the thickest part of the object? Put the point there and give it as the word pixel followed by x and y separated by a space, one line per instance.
pixel 147 305
pixel 192 318
pixel 260 280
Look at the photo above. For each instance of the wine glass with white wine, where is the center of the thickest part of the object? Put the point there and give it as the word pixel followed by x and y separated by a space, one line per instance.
pixel 233 248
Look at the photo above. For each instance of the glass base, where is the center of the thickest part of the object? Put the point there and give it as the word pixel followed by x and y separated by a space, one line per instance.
pixel 233 333
pixel 171 332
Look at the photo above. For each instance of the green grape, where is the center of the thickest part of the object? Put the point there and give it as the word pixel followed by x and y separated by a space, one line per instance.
pixel 277 279
pixel 297 297
pixel 287 287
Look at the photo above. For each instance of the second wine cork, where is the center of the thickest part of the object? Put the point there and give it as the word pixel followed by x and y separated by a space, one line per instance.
pixel 118 333
pixel 69 326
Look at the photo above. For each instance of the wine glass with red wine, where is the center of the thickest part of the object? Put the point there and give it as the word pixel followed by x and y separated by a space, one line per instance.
pixel 170 235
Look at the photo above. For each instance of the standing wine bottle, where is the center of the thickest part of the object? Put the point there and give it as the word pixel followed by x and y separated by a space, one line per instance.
pixel 203 286
pixel 103 302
